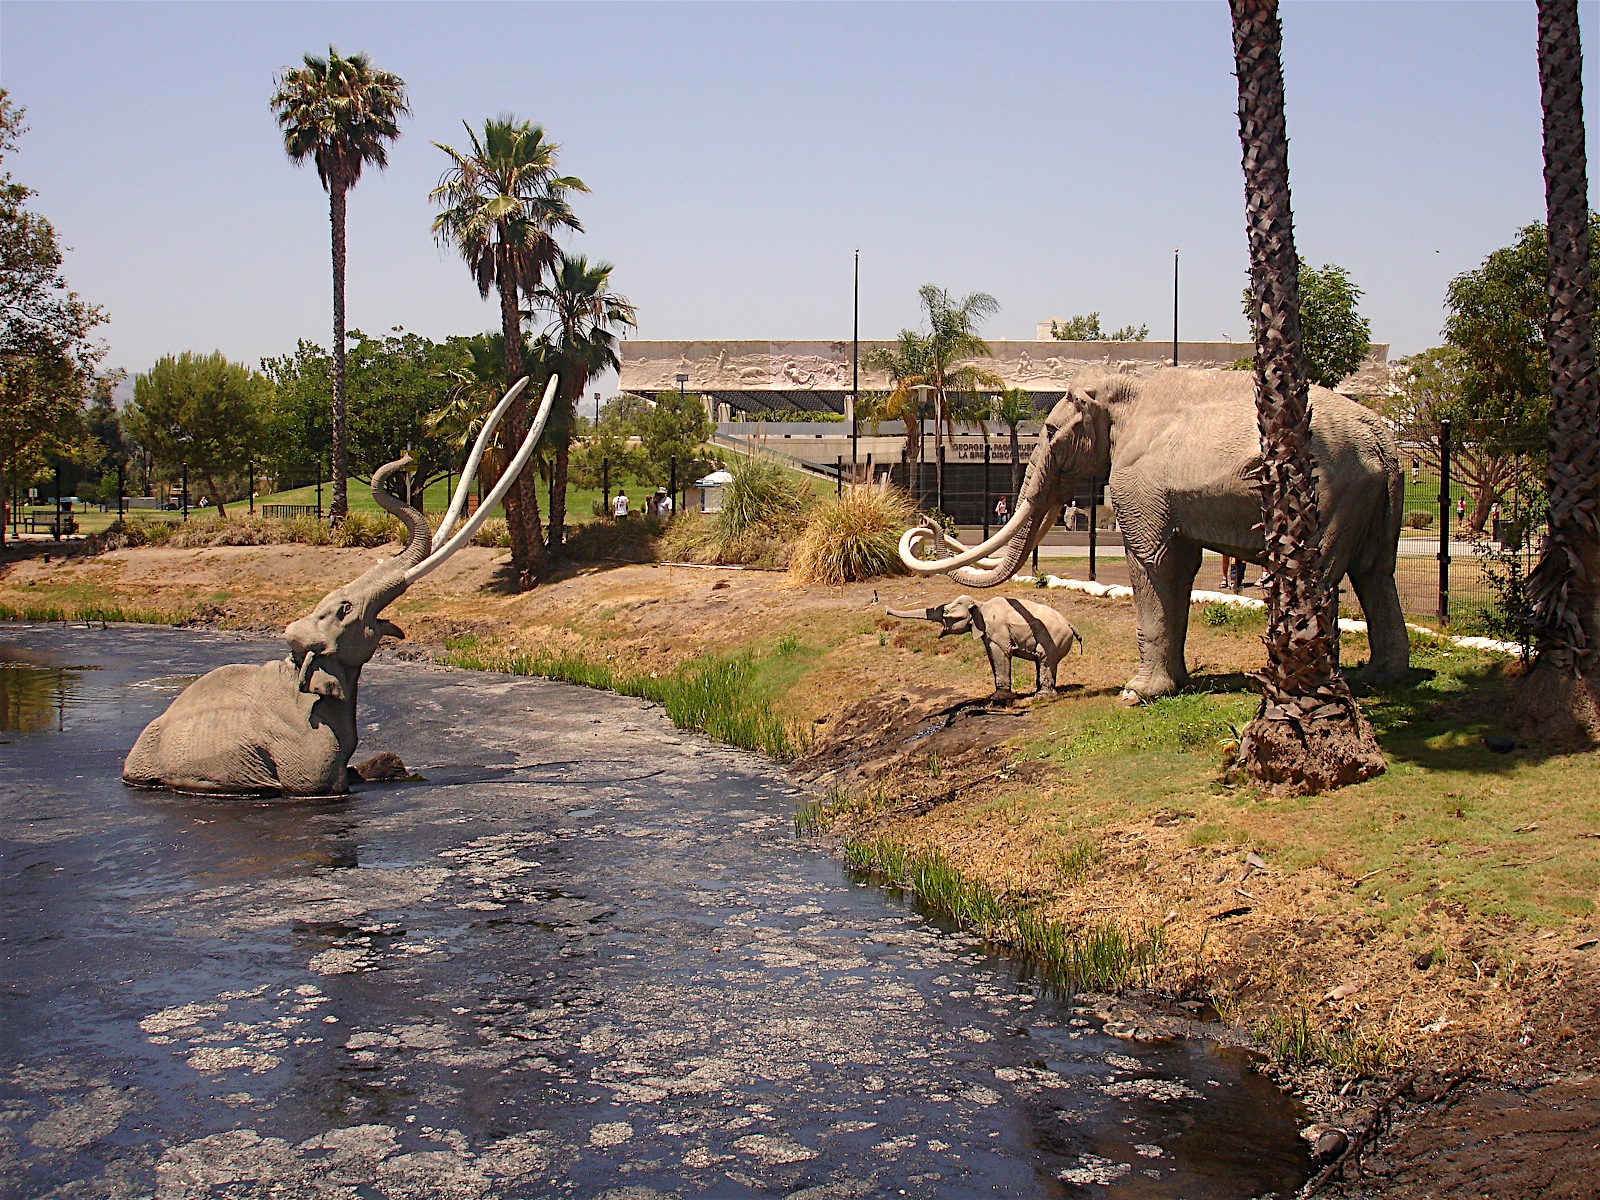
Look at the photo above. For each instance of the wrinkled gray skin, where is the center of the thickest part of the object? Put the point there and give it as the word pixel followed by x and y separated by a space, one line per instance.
pixel 1008 628
pixel 288 727
pixel 1179 450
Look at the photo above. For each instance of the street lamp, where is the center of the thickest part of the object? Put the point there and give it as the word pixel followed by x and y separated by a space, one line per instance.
pixel 682 379
pixel 1174 308
pixel 855 366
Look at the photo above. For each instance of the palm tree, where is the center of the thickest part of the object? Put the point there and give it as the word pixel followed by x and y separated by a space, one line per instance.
pixel 906 365
pixel 1308 733
pixel 342 114
pixel 1011 408
pixel 586 317
pixel 502 203
pixel 1563 685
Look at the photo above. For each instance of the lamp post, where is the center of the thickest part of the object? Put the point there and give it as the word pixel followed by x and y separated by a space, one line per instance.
pixel 1174 308
pixel 855 365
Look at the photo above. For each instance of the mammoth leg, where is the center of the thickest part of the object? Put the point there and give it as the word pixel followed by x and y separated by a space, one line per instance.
pixel 1161 602
pixel 1389 644
pixel 1000 661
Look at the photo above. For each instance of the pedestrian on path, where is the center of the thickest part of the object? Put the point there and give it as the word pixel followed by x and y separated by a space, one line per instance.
pixel 619 506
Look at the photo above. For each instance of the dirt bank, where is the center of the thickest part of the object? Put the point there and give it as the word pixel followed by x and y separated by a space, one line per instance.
pixel 1441 918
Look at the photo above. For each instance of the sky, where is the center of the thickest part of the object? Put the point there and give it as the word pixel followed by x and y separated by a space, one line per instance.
pixel 1053 155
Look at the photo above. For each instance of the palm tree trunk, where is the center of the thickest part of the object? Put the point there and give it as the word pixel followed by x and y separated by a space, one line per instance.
pixel 558 502
pixel 1563 686
pixel 336 206
pixel 1308 734
pixel 522 500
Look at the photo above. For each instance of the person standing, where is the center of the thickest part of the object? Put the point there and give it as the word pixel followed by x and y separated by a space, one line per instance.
pixel 663 503
pixel 619 506
pixel 1461 508
pixel 1002 511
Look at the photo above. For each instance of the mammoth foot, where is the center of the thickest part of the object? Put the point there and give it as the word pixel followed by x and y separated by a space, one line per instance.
pixel 1002 697
pixel 1142 688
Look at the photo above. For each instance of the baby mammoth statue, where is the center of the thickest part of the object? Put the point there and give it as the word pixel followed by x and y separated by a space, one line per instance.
pixel 1008 628
pixel 289 727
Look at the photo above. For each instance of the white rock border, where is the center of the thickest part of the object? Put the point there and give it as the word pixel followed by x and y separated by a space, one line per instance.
pixel 1117 591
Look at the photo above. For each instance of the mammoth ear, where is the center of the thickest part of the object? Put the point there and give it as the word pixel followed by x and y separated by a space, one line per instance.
pixel 1091 392
pixel 324 683
pixel 390 629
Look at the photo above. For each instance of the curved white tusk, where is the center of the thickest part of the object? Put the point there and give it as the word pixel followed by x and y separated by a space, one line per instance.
pixel 486 505
pixel 918 535
pixel 469 472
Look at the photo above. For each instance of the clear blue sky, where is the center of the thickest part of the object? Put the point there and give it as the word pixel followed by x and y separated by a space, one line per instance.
pixel 1052 154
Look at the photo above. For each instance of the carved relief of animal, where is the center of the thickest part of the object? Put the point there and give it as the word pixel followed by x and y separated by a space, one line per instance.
pixel 1008 628
pixel 1180 450
pixel 289 727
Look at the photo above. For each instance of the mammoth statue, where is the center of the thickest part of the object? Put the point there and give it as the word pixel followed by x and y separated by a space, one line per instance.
pixel 1180 451
pixel 289 727
pixel 1008 628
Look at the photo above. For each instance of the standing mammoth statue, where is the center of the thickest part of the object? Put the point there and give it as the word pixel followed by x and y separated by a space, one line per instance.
pixel 289 727
pixel 1180 451
pixel 1008 628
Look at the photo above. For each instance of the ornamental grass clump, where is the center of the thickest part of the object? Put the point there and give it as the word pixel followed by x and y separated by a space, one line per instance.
pixel 763 509
pixel 853 537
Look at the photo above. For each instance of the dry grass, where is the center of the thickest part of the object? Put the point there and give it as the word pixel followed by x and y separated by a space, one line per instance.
pixel 763 510
pixel 853 537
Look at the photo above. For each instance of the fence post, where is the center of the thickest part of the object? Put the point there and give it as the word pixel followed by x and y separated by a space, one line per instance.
pixel 1094 522
pixel 986 491
pixel 252 491
pixel 838 476
pixel 1444 522
pixel 121 492
pixel 186 493
pixel 672 476
pixel 605 486
pixel 938 481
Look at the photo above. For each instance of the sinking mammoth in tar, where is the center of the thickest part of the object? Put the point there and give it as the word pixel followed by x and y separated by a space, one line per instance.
pixel 1180 452
pixel 1008 628
pixel 289 727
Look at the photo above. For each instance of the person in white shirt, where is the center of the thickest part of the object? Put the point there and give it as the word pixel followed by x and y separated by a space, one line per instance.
pixel 619 506
pixel 663 502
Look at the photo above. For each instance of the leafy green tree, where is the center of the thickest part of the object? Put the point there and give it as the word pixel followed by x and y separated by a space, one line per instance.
pixel 295 425
pixel 202 411
pixel 1488 432
pixel 396 381
pixel 340 113
pixel 502 203
pixel 1087 329
pixel 586 319
pixel 47 357
pixel 675 426
pixel 1336 337
pixel 608 447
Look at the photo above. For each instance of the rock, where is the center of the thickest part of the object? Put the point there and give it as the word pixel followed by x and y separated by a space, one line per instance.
pixel 1329 1146
pixel 1499 743
pixel 1342 991
pixel 384 767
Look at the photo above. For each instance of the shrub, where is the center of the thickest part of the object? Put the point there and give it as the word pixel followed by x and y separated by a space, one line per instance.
pixel 853 537
pixel 358 529
pixel 1418 518
pixel 763 508
pixel 635 539
pixel 494 533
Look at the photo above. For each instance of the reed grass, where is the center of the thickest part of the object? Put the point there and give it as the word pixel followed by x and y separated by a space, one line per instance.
pixel 1291 1036
pixel 1102 957
pixel 83 613
pixel 720 697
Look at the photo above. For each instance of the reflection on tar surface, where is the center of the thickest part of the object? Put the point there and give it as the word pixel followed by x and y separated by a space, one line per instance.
pixel 588 957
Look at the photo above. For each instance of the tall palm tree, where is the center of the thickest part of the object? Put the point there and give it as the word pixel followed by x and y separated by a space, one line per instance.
pixel 1308 733
pixel 1564 682
pixel 586 319
pixel 502 203
pixel 1011 408
pixel 342 114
